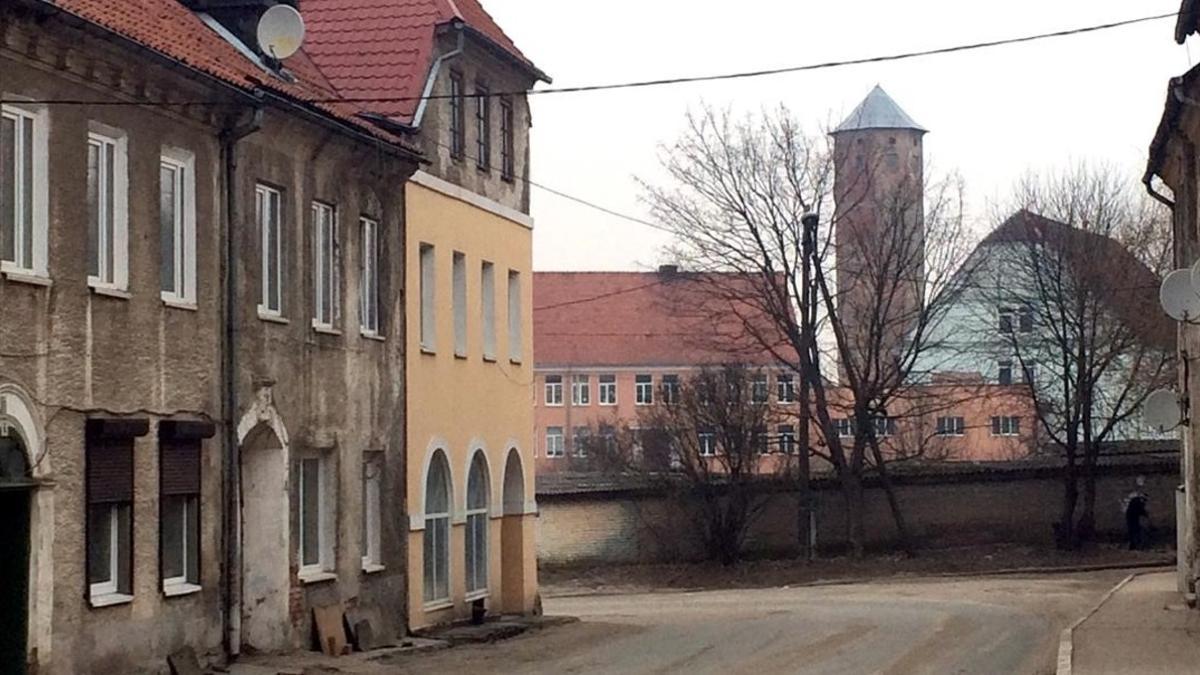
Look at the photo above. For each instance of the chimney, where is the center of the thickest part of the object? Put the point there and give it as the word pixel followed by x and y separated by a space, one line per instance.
pixel 668 270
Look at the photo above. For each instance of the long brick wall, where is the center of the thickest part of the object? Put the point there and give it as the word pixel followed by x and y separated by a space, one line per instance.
pixel 601 522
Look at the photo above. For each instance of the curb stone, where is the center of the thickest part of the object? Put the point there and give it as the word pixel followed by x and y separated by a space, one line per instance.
pixel 1066 642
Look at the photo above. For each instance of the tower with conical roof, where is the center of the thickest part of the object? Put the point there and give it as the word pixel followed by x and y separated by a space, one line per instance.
pixel 879 227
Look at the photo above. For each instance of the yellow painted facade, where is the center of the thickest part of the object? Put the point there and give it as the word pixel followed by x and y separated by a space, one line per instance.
pixel 460 404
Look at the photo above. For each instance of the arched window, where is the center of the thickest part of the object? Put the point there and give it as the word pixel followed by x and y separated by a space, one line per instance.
pixel 477 525
pixel 437 530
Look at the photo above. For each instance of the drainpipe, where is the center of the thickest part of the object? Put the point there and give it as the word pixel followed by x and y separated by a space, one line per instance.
pixel 1147 180
pixel 433 74
pixel 229 402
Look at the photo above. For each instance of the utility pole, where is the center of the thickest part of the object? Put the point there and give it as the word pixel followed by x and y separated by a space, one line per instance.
pixel 806 516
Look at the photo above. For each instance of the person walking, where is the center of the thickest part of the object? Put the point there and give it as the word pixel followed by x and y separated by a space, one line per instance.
pixel 1135 512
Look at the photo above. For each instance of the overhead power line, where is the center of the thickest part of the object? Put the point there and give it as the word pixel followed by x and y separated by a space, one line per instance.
pixel 640 84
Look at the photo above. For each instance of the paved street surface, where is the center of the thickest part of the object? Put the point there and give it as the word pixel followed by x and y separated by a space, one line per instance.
pixel 974 625
pixel 1145 627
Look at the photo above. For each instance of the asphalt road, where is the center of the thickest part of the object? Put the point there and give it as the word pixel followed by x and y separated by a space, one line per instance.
pixel 978 625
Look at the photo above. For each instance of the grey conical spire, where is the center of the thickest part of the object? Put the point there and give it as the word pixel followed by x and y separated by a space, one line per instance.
pixel 878 111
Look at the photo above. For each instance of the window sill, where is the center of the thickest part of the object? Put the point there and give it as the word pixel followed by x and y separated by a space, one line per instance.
pixel 514 361
pixel 372 568
pixel 110 291
pixel 110 599
pixel 316 577
pixel 374 336
pixel 174 590
pixel 477 595
pixel 176 303
pixel 267 315
pixel 460 355
pixel 324 329
pixel 437 605
pixel 489 358
pixel 428 350
pixel 608 405
pixel 26 277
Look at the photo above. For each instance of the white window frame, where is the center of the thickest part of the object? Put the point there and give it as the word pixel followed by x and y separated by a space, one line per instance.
pixel 180 584
pixel 327 256
pixel 372 536
pixel 458 284
pixel 951 425
pixel 607 389
pixel 516 317
pixel 477 517
pixel 553 386
pixel 427 279
pixel 38 202
pixel 885 427
pixel 269 203
pixel 368 285
pixel 845 427
pixel 1001 368
pixel 785 388
pixel 1006 425
pixel 581 390
pixel 556 450
pixel 790 434
pixel 707 443
pixel 323 568
pixel 760 389
pixel 101 589
pixel 579 441
pixel 643 389
pixel 183 163
pixel 487 302
pixel 114 141
pixel 671 389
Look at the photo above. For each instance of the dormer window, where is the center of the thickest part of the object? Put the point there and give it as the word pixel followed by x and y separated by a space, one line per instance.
pixel 458 122
pixel 483 127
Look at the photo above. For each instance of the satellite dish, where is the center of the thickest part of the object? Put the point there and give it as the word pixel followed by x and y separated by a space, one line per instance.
pixel 1178 298
pixel 1161 410
pixel 280 31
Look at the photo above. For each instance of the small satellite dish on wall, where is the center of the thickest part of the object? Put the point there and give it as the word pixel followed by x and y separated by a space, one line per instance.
pixel 1179 300
pixel 280 31
pixel 1161 410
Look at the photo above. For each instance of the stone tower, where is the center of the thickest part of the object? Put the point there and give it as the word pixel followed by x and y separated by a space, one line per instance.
pixel 879 229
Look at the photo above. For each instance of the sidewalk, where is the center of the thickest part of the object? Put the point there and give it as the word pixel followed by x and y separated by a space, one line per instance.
pixel 1142 627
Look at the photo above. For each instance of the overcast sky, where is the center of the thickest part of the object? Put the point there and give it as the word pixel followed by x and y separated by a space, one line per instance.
pixel 992 114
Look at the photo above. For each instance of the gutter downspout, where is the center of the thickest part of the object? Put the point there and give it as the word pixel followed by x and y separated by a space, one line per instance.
pixel 231 481
pixel 1147 180
pixel 433 74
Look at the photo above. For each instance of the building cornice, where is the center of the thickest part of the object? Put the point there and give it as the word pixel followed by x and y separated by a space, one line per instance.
pixel 432 182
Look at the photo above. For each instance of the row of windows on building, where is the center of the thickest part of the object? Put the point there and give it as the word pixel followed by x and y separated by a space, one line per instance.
pixel 439 495
pixel 644 390
pixel 109 487
pixel 761 440
pixel 24 224
pixel 482 98
pixel 886 427
pixel 485 312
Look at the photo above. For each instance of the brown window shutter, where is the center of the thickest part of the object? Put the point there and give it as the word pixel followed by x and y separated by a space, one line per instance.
pixel 110 470
pixel 179 467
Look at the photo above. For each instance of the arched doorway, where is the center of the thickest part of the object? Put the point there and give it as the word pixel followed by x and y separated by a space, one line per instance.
pixel 512 535
pixel 477 539
pixel 265 541
pixel 16 491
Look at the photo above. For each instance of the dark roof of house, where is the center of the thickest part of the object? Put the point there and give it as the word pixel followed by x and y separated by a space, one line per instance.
pixel 1131 286
pixel 177 33
pixel 384 49
pixel 650 319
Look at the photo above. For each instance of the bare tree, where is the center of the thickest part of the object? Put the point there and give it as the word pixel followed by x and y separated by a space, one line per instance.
pixel 705 442
pixel 1068 293
pixel 737 194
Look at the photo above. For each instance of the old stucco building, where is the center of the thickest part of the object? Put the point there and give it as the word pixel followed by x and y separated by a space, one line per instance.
pixel 202 341
pixel 470 473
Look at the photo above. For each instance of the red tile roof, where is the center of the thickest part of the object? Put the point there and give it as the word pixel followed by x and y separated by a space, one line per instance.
pixel 169 28
pixel 383 49
pixel 647 319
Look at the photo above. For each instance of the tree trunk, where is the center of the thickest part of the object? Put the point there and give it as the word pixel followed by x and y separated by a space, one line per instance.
pixel 852 491
pixel 893 503
pixel 1064 534
pixel 1085 529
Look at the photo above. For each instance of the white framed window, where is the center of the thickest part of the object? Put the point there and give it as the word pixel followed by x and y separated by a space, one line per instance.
pixel 845 427
pixel 785 388
pixel 1004 425
pixel 327 267
pixel 643 389
pixel 436 539
pixel 515 317
pixel 108 209
pixel 458 273
pixel 477 528
pixel 554 442
pixel 180 541
pixel 109 527
pixel 428 290
pixel 951 426
pixel 787 438
pixel 24 192
pixel 368 287
pixel 608 389
pixel 487 300
pixel 708 443
pixel 670 389
pixel 581 390
pixel 885 427
pixel 1029 372
pixel 1004 372
pixel 177 226
pixel 372 511
pixel 315 516
pixel 580 437
pixel 554 390
pixel 760 441
pixel 759 388
pixel 268 209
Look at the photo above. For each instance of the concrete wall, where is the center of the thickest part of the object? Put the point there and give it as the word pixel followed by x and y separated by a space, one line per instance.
pixel 606 528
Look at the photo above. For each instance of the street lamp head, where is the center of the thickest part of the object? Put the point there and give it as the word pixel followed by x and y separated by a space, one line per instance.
pixel 809 219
